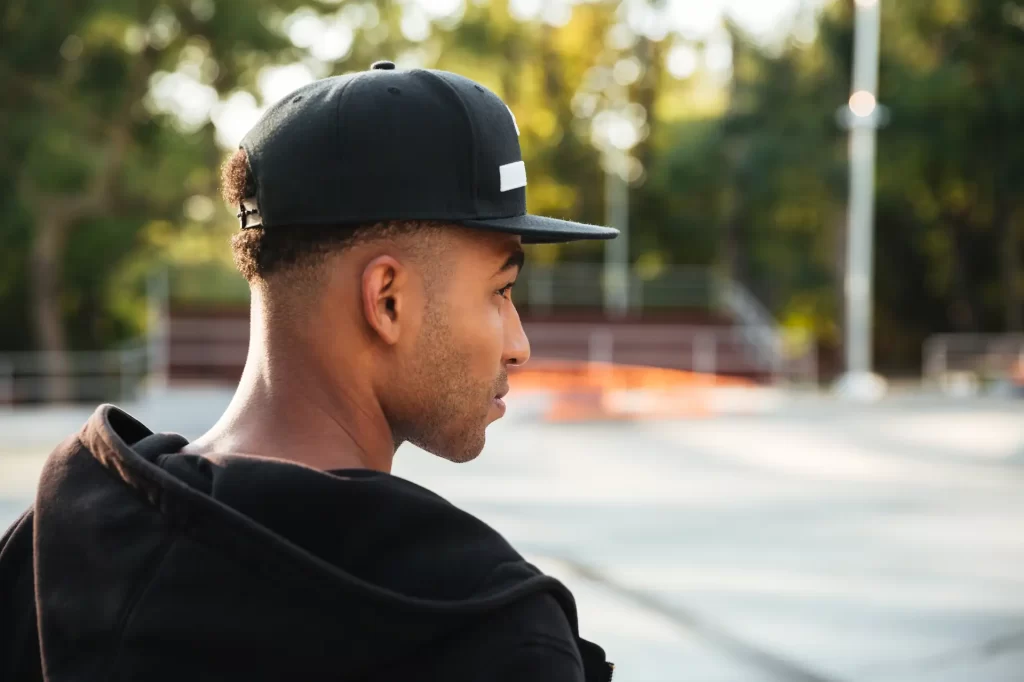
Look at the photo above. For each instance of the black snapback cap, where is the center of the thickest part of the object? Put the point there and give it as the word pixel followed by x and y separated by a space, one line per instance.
pixel 389 144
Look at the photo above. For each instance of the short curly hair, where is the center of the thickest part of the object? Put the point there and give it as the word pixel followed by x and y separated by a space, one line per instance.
pixel 259 253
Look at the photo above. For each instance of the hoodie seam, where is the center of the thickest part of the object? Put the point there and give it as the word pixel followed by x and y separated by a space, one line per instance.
pixel 534 645
pixel 542 640
pixel 141 589
pixel 490 574
pixel 304 573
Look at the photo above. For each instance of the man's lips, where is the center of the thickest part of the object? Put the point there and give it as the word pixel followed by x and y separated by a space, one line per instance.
pixel 497 400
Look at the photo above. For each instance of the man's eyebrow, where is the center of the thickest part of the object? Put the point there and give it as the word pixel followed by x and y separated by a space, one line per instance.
pixel 515 260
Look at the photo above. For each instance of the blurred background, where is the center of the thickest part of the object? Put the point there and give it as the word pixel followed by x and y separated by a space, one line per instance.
pixel 774 432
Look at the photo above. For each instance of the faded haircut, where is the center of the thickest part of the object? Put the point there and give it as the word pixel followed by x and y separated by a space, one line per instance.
pixel 260 253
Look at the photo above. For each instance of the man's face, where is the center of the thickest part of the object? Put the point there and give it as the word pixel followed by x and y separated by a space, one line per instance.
pixel 454 372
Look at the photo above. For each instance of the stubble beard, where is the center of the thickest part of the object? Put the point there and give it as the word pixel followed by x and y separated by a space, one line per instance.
pixel 451 408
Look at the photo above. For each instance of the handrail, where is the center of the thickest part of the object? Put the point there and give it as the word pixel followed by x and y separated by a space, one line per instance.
pixel 217 343
pixel 26 375
pixel 979 355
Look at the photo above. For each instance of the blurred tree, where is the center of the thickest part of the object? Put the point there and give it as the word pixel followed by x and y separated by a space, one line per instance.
pixel 84 153
pixel 949 221
pixel 107 129
pixel 954 82
pixel 109 155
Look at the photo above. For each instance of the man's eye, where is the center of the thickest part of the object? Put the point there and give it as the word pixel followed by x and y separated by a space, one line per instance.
pixel 506 291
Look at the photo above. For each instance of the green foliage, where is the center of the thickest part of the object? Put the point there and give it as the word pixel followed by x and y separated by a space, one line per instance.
pixel 949 217
pixel 747 174
pixel 82 146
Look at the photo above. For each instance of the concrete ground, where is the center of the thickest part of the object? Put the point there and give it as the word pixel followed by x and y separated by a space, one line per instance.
pixel 819 542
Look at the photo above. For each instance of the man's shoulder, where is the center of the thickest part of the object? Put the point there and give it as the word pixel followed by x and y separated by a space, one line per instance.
pixel 538 642
pixel 537 618
pixel 527 639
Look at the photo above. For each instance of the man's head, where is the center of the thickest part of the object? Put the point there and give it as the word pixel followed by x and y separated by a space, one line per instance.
pixel 417 313
pixel 382 218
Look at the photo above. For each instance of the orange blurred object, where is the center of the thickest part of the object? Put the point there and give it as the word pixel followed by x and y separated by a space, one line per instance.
pixel 585 391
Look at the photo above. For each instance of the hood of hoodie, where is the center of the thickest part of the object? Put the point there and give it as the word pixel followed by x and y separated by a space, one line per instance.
pixel 251 562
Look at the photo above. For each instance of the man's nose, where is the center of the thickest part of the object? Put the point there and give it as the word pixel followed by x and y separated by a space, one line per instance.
pixel 517 346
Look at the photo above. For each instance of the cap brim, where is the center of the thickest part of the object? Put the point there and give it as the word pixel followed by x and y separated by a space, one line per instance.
pixel 539 230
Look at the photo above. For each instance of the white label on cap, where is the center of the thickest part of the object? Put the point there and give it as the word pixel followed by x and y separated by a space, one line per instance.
pixel 513 176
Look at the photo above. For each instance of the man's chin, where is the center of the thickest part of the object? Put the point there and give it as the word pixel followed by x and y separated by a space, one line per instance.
pixel 458 452
pixel 467 452
pixel 462 459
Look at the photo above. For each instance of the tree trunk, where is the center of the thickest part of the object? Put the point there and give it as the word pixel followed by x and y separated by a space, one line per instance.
pixel 46 275
pixel 731 243
pixel 963 312
pixel 645 93
pixel 1010 263
pixel 735 148
pixel 57 214
pixel 1012 278
pixel 841 230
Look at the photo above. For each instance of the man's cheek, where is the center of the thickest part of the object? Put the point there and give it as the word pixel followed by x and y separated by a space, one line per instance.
pixel 480 330
pixel 491 340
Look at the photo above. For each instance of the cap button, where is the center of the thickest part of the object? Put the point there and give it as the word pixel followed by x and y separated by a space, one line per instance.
pixel 383 66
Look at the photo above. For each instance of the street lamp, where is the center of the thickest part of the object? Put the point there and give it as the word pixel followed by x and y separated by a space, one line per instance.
pixel 862 116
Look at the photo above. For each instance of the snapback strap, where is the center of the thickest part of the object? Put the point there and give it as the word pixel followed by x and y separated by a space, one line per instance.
pixel 249 213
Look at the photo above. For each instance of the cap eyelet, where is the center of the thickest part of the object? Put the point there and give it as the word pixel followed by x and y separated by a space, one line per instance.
pixel 478 88
pixel 394 91
pixel 297 99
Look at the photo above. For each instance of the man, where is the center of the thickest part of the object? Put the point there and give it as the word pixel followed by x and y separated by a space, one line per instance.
pixel 382 218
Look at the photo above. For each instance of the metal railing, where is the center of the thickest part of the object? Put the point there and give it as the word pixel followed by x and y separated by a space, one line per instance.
pixel 756 323
pixel 541 288
pixel 551 289
pixel 90 376
pixel 751 344
pixel 959 361
pixel 703 349
pixel 581 285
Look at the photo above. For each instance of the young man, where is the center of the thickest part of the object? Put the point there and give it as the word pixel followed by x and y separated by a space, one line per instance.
pixel 382 218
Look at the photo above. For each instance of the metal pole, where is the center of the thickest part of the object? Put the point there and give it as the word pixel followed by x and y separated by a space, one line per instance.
pixel 860 235
pixel 157 331
pixel 616 252
pixel 705 353
pixel 863 115
pixel 601 346
pixel 859 253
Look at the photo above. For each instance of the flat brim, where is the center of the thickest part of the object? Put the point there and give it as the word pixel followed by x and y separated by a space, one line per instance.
pixel 539 230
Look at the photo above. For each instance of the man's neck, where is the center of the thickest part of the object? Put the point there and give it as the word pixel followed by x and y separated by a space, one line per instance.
pixel 285 408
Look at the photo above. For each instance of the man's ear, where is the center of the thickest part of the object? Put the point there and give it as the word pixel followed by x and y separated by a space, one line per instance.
pixel 385 290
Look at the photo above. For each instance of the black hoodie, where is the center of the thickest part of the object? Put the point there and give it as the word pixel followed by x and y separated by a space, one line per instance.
pixel 135 563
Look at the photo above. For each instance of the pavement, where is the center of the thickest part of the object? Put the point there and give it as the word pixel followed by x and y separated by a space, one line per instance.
pixel 818 542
